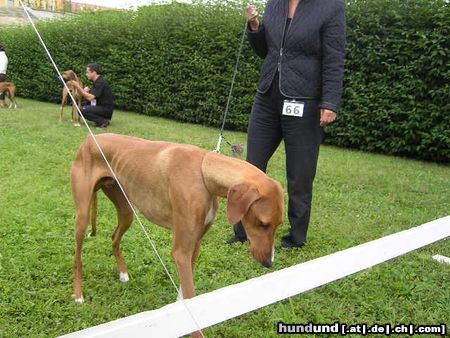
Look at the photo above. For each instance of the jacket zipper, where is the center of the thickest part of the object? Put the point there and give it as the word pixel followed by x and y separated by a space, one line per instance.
pixel 279 59
pixel 283 39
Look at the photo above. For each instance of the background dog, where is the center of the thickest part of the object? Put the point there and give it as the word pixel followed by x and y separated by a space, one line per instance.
pixel 9 89
pixel 70 75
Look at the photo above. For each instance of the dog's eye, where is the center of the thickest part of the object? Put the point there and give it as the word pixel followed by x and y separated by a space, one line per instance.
pixel 265 225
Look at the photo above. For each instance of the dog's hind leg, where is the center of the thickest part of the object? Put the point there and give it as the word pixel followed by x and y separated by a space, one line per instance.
pixel 2 99
pixel 12 97
pixel 124 218
pixel 94 215
pixel 13 103
pixel 82 194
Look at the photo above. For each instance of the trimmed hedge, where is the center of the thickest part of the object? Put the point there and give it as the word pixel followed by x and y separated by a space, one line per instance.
pixel 396 98
pixel 174 61
pixel 177 61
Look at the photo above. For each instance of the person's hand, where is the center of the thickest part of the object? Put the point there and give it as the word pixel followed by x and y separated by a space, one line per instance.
pixel 326 117
pixel 252 17
pixel 74 84
pixel 87 89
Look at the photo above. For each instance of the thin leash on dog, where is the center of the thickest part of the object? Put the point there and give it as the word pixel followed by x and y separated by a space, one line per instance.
pixel 236 149
pixel 108 164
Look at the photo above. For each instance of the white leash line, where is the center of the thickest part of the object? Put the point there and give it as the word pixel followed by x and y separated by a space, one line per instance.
pixel 225 114
pixel 106 161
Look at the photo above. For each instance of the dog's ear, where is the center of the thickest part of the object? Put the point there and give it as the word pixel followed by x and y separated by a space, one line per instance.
pixel 270 208
pixel 263 209
pixel 240 198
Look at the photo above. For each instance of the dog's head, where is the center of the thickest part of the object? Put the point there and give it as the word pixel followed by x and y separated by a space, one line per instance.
pixel 260 208
pixel 69 75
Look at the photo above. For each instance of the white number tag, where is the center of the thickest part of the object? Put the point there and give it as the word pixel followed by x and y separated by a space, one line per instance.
pixel 293 108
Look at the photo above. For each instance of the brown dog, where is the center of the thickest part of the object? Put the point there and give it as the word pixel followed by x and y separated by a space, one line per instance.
pixel 175 186
pixel 69 76
pixel 9 89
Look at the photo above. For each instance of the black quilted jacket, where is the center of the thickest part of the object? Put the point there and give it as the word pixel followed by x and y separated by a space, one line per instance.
pixel 311 63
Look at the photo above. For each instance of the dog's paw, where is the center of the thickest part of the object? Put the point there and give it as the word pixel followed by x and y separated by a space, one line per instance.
pixel 123 277
pixel 79 300
pixel 76 125
pixel 180 294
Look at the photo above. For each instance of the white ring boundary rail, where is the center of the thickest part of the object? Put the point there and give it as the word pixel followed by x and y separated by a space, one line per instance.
pixel 220 305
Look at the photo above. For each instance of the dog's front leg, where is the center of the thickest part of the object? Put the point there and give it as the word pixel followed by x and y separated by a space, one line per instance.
pixel 77 116
pixel 183 260
pixel 63 103
pixel 193 261
pixel 125 218
pixel 184 267
pixel 185 250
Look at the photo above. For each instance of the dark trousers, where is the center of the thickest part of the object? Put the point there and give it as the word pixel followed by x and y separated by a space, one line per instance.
pixel 302 137
pixel 98 114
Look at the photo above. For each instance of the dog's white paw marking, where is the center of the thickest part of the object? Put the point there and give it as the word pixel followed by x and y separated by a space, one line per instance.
pixel 77 125
pixel 180 294
pixel 79 300
pixel 123 277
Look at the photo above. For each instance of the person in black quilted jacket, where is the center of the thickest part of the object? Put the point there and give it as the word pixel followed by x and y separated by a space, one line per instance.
pixel 302 43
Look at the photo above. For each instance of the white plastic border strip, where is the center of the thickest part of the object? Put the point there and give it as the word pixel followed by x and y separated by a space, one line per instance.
pixel 220 305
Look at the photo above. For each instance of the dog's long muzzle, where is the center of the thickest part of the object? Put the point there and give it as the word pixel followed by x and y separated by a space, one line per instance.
pixel 268 263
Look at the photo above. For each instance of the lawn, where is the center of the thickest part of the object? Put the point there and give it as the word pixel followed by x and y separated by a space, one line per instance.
pixel 358 197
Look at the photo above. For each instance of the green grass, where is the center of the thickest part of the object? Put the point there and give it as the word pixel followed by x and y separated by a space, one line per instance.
pixel 358 197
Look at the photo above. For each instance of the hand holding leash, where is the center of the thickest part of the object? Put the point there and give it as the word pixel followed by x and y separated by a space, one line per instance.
pixel 252 17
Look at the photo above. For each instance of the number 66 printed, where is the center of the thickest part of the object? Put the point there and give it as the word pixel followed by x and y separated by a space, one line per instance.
pixel 293 108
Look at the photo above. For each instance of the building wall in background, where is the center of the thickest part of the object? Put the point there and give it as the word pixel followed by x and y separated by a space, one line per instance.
pixel 47 5
pixel 80 6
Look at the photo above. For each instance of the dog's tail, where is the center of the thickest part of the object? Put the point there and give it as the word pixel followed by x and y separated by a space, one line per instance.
pixel 94 213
